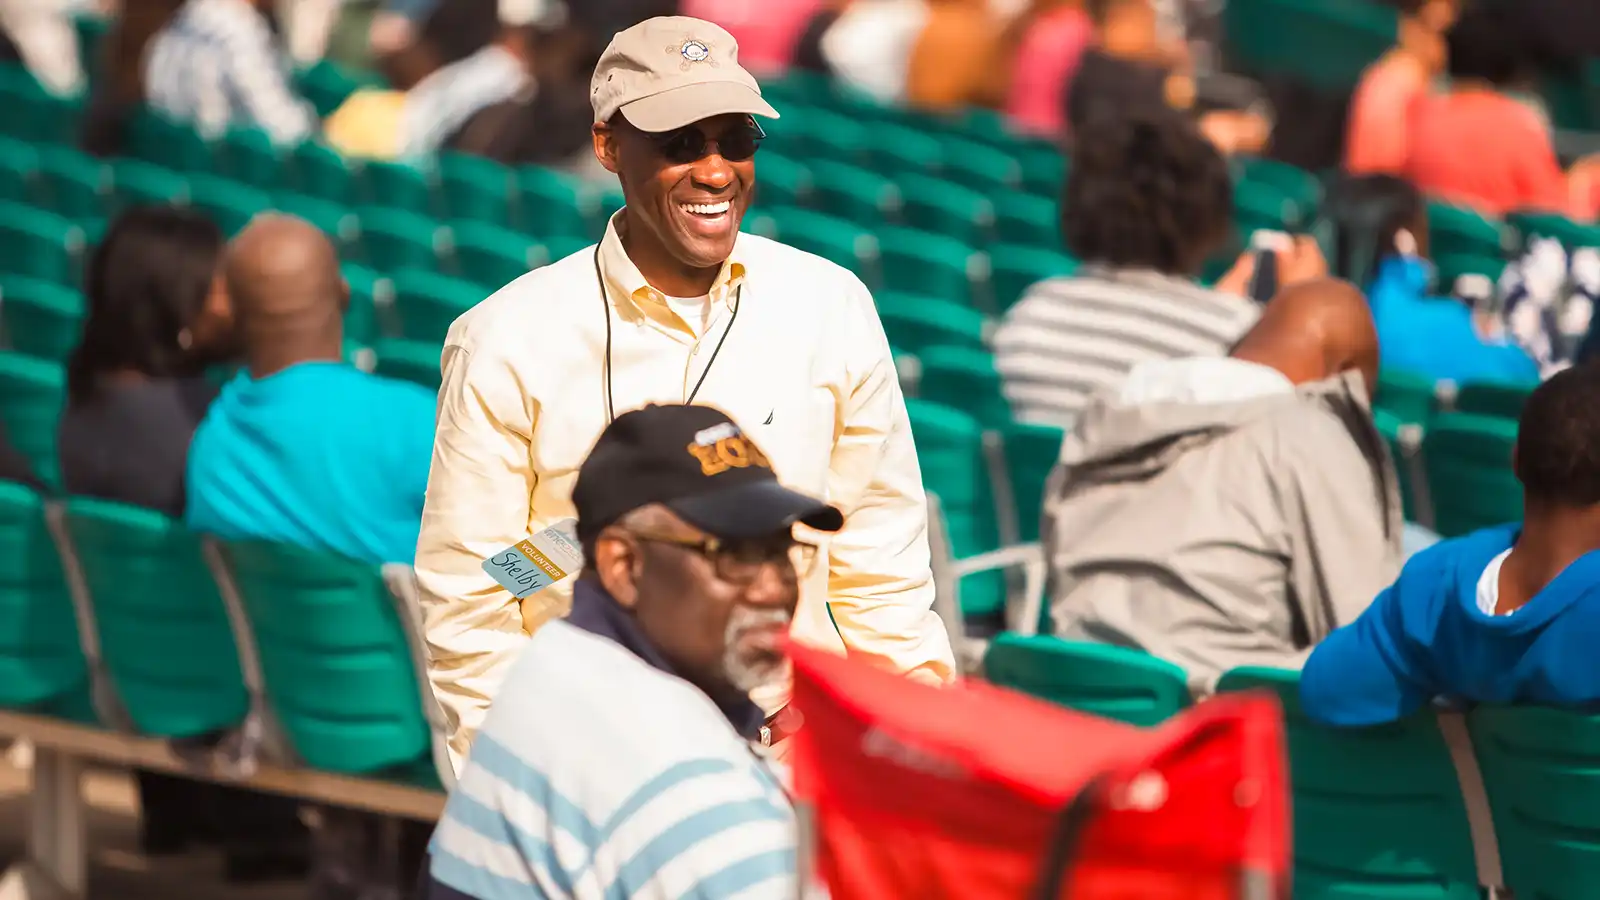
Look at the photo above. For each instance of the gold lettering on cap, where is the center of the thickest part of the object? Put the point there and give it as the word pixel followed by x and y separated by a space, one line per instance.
pixel 735 452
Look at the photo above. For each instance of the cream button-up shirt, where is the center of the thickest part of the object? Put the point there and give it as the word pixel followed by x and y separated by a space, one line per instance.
pixel 804 368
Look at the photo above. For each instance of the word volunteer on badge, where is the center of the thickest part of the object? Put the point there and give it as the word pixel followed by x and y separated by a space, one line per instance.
pixel 534 564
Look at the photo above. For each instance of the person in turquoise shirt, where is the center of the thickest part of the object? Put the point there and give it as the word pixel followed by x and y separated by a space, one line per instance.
pixel 302 448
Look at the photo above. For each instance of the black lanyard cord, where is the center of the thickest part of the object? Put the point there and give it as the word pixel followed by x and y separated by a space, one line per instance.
pixel 605 373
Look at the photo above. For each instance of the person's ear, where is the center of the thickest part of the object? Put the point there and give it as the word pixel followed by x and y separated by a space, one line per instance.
pixel 605 147
pixel 618 563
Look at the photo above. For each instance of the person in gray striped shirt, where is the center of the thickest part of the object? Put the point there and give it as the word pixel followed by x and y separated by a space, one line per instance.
pixel 620 756
pixel 1148 201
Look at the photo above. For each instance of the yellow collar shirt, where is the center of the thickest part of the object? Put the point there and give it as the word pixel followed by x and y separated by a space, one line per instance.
pixel 804 369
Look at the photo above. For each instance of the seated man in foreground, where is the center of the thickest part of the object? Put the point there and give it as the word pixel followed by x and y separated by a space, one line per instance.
pixel 1504 615
pixel 617 758
pixel 1235 511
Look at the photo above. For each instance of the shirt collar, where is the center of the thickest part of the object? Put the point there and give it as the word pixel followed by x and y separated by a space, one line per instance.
pixel 597 612
pixel 633 296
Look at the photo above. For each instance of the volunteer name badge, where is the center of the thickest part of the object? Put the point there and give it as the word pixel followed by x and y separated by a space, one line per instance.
pixel 532 565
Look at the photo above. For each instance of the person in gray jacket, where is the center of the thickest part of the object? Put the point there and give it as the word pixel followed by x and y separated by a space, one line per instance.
pixel 1230 511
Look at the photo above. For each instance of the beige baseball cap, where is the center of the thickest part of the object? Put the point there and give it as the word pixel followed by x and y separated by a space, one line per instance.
pixel 671 71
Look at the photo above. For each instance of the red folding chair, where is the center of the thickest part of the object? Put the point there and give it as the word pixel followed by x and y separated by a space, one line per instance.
pixel 976 792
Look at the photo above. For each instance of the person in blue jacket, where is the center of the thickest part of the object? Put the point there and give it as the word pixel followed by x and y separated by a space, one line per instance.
pixel 1505 615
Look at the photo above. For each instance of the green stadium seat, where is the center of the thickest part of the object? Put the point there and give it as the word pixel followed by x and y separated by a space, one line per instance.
pixel 138 183
pixel 1323 43
pixel 1539 770
pixel 327 85
pixel 371 295
pixel 1392 429
pixel 782 181
pixel 318 170
pixel 39 244
pixel 917 262
pixel 893 150
pixel 819 134
pixel 1031 452
pixel 334 656
pixel 552 204
pixel 493 257
pixel 1457 229
pixel 248 155
pixel 831 238
pixel 915 323
pixel 400 185
pixel 158 139
pixel 1493 398
pixel 852 193
pixel 1451 266
pixel 71 184
pixel 164 632
pixel 337 222
pixel 42 668
pixel 947 209
pixel 228 203
pixel 414 361
pixel 989 126
pixel 1410 397
pixel 35 114
pixel 1012 270
pixel 476 188
pixel 39 318
pixel 426 304
pixel 554 248
pixel 91 29
pixel 1258 207
pixel 798 86
pixel 1470 481
pixel 980 167
pixel 1377 811
pixel 1570 233
pixel 600 204
pixel 19 166
pixel 963 378
pixel 1027 220
pixel 1114 682
pixel 1044 168
pixel 950 450
pixel 393 239
pixel 1301 188
pixel 33 393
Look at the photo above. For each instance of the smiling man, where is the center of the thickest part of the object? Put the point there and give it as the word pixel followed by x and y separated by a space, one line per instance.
pixel 674 306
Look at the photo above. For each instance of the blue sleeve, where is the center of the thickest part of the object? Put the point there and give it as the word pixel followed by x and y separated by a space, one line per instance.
pixel 1366 672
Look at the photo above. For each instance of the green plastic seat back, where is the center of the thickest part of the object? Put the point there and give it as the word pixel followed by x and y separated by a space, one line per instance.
pixel 369 291
pixel 248 155
pixel 917 262
pixel 340 224
pixel 158 139
pixel 401 185
pixel 39 318
pixel 980 167
pixel 1470 480
pixel 1300 188
pixel 1451 266
pixel 1570 233
pixel 1408 396
pixel 19 168
pixel 551 249
pixel 1014 269
pixel 600 204
pixel 1323 43
pixel 40 245
pixel 1260 207
pixel 492 257
pixel 1044 169
pixel 1457 229
pixel 853 193
pixel 948 209
pixel 32 395
pixel 426 303
pixel 1389 425
pixel 1493 398
pixel 950 451
pixel 831 238
pixel 815 134
pixel 964 378
pixel 1027 220
pixel 1539 770
pixel 551 204
pixel 413 361
pixel 896 149
pixel 782 181
pixel 226 202
pixel 1031 454
pixel 475 188
pixel 1114 682
pixel 42 668
pixel 319 170
pixel 1377 811
pixel 394 239
pixel 164 631
pixel 35 114
pixel 334 657
pixel 135 182
pixel 916 323
pixel 72 184
pixel 327 85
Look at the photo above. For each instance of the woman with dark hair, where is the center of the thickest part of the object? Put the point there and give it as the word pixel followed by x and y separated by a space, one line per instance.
pixel 157 317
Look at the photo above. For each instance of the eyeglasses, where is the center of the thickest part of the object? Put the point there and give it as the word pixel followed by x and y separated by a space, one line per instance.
pixel 688 144
pixel 739 562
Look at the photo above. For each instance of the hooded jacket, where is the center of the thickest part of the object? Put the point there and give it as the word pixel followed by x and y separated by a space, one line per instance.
pixel 1213 514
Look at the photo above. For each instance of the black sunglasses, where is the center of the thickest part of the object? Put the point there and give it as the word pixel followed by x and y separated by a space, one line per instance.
pixel 688 144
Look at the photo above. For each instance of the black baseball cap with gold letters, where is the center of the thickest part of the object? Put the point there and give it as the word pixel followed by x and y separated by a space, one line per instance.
pixel 696 462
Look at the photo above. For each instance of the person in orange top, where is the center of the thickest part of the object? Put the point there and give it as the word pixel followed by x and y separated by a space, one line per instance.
pixel 1378 136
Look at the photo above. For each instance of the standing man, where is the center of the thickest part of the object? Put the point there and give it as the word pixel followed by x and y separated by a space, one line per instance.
pixel 673 306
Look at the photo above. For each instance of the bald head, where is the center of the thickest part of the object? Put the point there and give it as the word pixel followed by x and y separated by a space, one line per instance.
pixel 1314 330
pixel 289 296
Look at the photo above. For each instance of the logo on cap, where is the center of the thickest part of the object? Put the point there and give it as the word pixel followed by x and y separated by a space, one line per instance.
pixel 693 51
pixel 723 447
